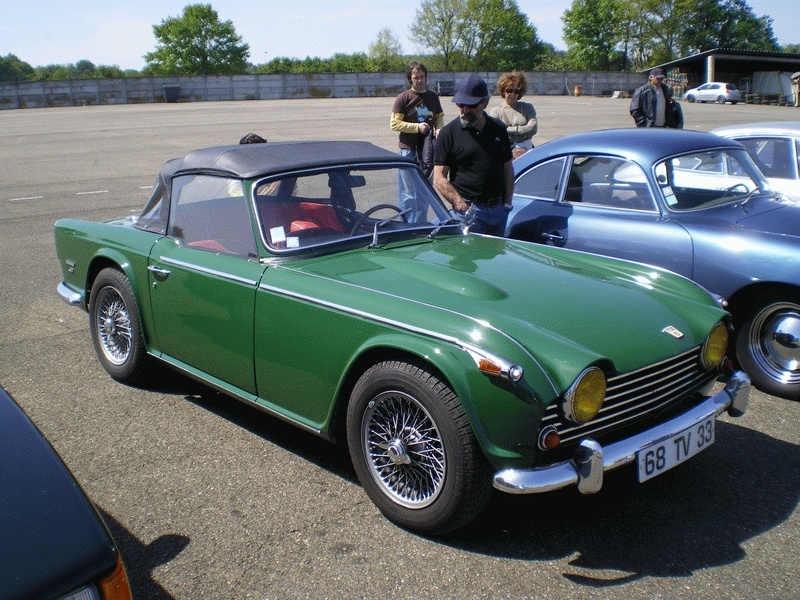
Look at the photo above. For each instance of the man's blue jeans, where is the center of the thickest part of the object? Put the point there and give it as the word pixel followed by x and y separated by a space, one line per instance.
pixel 490 220
pixel 407 197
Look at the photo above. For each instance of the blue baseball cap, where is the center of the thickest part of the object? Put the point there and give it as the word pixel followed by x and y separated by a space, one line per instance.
pixel 471 90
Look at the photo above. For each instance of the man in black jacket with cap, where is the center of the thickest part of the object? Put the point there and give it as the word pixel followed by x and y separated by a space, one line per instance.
pixel 652 104
pixel 472 163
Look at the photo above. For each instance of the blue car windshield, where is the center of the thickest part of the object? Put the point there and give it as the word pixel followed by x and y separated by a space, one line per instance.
pixel 708 178
pixel 302 210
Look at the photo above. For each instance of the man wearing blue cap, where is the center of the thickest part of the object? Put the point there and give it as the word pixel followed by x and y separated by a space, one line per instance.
pixel 472 165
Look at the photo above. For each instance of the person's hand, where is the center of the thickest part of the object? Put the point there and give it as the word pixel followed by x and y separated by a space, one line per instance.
pixel 424 128
pixel 516 151
pixel 461 205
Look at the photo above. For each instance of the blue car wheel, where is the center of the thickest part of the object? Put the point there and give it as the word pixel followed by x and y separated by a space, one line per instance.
pixel 768 347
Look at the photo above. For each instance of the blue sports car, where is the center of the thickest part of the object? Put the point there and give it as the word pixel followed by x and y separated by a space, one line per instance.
pixel 692 202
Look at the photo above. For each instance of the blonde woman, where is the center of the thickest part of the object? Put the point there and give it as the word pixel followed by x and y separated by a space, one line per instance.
pixel 518 117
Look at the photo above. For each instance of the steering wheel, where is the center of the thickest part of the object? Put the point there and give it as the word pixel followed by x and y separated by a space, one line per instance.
pixel 732 189
pixel 360 221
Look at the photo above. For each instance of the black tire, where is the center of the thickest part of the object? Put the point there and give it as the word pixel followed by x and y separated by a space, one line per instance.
pixel 690 98
pixel 115 327
pixel 721 100
pixel 399 414
pixel 768 348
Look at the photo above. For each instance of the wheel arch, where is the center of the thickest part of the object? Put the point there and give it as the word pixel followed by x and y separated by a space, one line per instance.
pixel 370 356
pixel 502 414
pixel 446 361
pixel 742 303
pixel 115 260
pixel 108 259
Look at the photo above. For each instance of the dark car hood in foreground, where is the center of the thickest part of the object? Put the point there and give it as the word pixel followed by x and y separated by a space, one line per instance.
pixel 52 540
pixel 566 308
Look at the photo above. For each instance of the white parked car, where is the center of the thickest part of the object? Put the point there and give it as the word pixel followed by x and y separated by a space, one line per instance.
pixel 775 148
pixel 713 92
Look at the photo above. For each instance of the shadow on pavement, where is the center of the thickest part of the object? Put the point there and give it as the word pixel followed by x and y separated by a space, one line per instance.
pixel 696 516
pixel 141 559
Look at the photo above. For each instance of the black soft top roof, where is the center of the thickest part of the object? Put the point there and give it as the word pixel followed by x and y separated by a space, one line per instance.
pixel 246 161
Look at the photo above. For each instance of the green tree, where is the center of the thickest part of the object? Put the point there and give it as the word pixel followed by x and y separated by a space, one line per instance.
pixel 593 31
pixel 84 69
pixel 197 43
pixel 663 20
pixel 646 32
pixel 724 24
pixel 55 72
pixel 498 37
pixel 386 53
pixel 439 26
pixel 478 35
pixel 278 65
pixel 14 69
pixel 357 62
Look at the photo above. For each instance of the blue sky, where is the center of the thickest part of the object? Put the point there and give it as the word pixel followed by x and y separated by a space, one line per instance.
pixel 120 32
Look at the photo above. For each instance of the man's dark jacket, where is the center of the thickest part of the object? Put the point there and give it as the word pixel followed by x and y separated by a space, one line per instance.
pixel 643 107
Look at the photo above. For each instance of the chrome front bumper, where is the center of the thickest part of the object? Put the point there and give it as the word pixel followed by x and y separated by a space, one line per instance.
pixel 69 296
pixel 591 460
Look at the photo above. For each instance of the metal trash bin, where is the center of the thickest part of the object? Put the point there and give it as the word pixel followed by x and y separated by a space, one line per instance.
pixel 172 93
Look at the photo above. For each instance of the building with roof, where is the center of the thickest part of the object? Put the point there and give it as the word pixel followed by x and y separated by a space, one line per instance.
pixel 762 77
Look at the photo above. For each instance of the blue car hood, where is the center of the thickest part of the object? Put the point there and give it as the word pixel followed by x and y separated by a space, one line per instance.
pixel 777 218
pixel 762 214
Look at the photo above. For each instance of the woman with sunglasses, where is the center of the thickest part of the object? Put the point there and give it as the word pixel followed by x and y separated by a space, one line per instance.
pixel 519 117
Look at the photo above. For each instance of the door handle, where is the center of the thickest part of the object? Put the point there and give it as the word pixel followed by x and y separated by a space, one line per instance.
pixel 158 271
pixel 553 237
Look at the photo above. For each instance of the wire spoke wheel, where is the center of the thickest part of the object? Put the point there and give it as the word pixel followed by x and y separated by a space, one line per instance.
pixel 116 329
pixel 113 326
pixel 405 450
pixel 414 450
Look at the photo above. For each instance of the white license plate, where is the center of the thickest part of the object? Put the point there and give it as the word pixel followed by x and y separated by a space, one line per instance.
pixel 680 447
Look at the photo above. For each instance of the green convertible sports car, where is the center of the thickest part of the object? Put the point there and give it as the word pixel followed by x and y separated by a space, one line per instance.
pixel 292 276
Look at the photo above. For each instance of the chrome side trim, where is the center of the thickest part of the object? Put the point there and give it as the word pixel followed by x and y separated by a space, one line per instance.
pixel 471 349
pixel 468 347
pixel 207 271
pixel 591 460
pixel 69 296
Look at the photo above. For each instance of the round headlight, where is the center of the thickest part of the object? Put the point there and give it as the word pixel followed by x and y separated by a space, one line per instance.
pixel 715 347
pixel 583 399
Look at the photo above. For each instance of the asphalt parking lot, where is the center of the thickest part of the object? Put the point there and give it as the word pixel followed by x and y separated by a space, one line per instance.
pixel 208 498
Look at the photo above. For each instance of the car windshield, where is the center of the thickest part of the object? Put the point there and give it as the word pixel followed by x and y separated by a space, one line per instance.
pixel 309 209
pixel 708 178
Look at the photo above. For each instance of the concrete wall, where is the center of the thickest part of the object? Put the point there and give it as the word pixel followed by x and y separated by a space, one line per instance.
pixel 81 92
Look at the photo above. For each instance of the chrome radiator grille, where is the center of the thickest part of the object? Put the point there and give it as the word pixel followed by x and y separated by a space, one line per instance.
pixel 636 395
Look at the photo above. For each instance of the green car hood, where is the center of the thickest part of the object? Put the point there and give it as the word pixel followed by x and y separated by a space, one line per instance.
pixel 566 309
